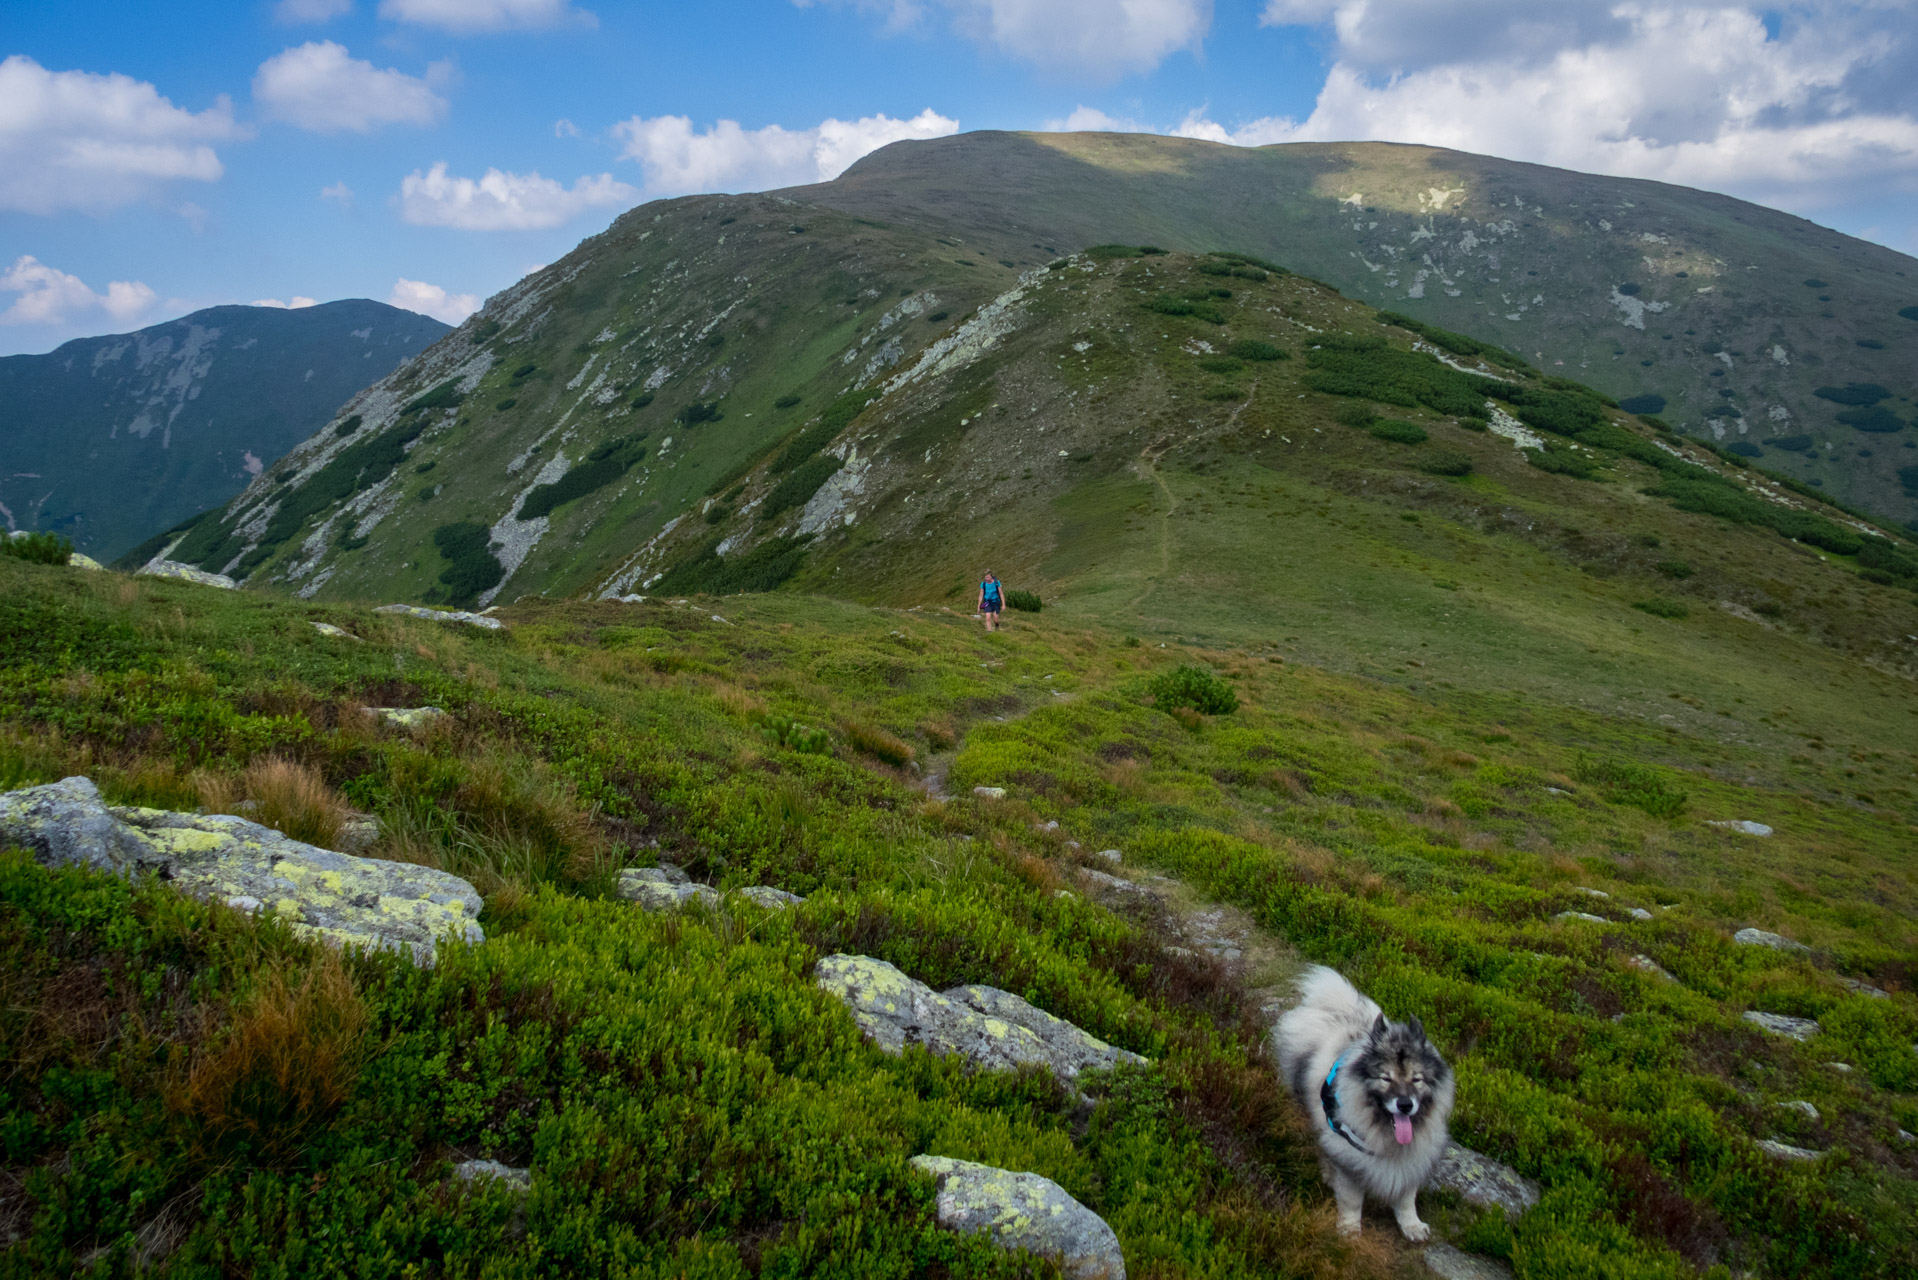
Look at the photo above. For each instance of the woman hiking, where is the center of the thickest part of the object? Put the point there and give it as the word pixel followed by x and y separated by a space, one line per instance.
pixel 991 601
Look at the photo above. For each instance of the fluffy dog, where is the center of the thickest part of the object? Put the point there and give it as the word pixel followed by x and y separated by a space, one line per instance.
pixel 1377 1093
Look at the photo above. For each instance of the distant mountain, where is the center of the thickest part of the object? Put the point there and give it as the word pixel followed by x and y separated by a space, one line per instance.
pixel 109 440
pixel 1765 332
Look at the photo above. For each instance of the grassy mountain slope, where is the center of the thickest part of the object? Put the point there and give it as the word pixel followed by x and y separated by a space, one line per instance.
pixel 193 1091
pixel 1733 313
pixel 108 440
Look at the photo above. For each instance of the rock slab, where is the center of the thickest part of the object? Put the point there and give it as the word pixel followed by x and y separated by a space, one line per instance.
pixel 1456 1264
pixel 1743 826
pixel 1024 1211
pixel 656 890
pixel 443 615
pixel 1483 1181
pixel 345 900
pixel 185 573
pixel 1783 1025
pixel 989 1028
pixel 1760 938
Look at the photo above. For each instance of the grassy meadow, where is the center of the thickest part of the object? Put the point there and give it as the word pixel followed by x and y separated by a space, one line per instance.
pixel 194 1092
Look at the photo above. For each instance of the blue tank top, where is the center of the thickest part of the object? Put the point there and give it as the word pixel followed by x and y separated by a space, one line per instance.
pixel 991 590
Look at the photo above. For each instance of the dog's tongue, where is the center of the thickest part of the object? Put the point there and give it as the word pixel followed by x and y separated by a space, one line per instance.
pixel 1402 1129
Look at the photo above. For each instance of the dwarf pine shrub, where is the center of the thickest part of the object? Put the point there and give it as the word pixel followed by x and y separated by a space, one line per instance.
pixel 1025 601
pixel 1446 462
pixel 1256 349
pixel 471 565
pixel 1398 431
pixel 1198 690
pixel 36 548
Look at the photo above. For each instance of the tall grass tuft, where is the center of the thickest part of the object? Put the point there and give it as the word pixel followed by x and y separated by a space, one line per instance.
pixel 286 795
pixel 874 741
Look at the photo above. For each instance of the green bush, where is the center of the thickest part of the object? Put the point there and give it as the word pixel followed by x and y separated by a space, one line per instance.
pixel 598 469
pixel 1024 601
pixel 1447 462
pixel 697 412
pixel 446 395
pixel 786 402
pixel 794 736
pixel 1167 305
pixel 506 404
pixel 1223 391
pixel 1559 460
pixel 1254 349
pixel 763 568
pixel 643 399
pixel 1909 313
pixel 1792 444
pixel 1858 393
pixel 1677 569
pixel 1662 608
pixel 1643 405
pixel 1191 687
pixel 1398 431
pixel 349 426
pixel 1877 419
pixel 36 548
pixel 836 417
pixel 1372 369
pixel 1361 416
pixel 1627 782
pixel 472 567
pixel 796 487
pixel 1456 343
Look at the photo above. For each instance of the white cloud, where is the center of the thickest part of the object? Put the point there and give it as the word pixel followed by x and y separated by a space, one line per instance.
pixel 1696 94
pixel 464 17
pixel 339 193
pixel 564 128
pixel 431 300
pixel 299 301
pixel 319 87
pixel 76 140
pixel 48 296
pixel 297 11
pixel 503 201
pixel 1098 38
pixel 727 157
pixel 1086 119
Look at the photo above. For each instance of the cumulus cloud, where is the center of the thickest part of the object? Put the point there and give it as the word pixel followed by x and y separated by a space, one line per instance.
pixel 1097 38
pixel 431 300
pixel 1086 119
pixel 339 193
pixel 317 86
pixel 297 302
pixel 292 12
pixel 503 201
pixel 467 17
pixel 48 296
pixel 1699 94
pixel 677 159
pixel 76 140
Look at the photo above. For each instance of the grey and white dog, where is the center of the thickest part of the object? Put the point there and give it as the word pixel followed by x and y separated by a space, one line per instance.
pixel 1377 1093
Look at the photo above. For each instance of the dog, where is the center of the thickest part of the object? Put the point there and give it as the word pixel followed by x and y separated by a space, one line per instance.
pixel 1377 1093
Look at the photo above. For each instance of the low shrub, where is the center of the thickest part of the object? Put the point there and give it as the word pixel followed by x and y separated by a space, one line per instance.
pixel 833 419
pixel 1744 449
pixel 1398 431
pixel 1559 460
pixel 1627 782
pixel 1361 416
pixel 1662 608
pixel 349 426
pixel 1909 313
pixel 1195 689
pixel 1223 391
pixel 36 548
pixel 507 403
pixel 697 412
pixel 598 469
pixel 1643 405
pixel 1676 569
pixel 1255 349
pixel 763 568
pixel 1446 462
pixel 471 565
pixel 1791 444
pixel 785 402
pixel 794 736
pixel 1167 305
pixel 1857 393
pixel 1877 419
pixel 1024 601
pixel 796 487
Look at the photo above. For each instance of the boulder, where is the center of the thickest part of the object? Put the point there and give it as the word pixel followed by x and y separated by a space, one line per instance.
pixel 1782 1025
pixel 1581 915
pixel 1743 826
pixel 492 1170
pixel 407 717
pixel 80 560
pixel 1638 913
pixel 336 896
pixel 991 1029
pixel 1024 1211
pixel 443 615
pixel 1112 884
pixel 990 793
pixel 1857 987
pixel 1483 1181
pixel 1785 1151
pixel 655 889
pixel 332 632
pixel 1760 938
pixel 1802 1107
pixel 185 573
pixel 1645 964
pixel 1456 1264
pixel 770 898
pixel 1110 855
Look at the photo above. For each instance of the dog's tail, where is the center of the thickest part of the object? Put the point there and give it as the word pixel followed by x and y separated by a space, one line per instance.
pixel 1331 1014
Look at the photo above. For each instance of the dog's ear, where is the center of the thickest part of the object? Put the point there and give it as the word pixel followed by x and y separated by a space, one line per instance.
pixel 1417 1027
pixel 1378 1028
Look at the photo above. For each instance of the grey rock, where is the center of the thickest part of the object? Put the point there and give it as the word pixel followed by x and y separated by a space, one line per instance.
pixel 1781 1025
pixel 407 717
pixel 336 633
pixel 336 896
pixel 654 890
pixel 1905 1135
pixel 1639 913
pixel 360 831
pixel 1594 893
pixel 493 1170
pixel 673 872
pixel 185 573
pixel 1024 1211
pixel 1645 964
pixel 1864 988
pixel 1760 938
pixel 991 1029
pixel 1483 1181
pixel 1113 884
pixel 1785 1151
pixel 990 793
pixel 1456 1264
pixel 770 898
pixel 1110 855
pixel 1802 1107
pixel 1743 827
pixel 1842 1068
pixel 443 615
pixel 1581 915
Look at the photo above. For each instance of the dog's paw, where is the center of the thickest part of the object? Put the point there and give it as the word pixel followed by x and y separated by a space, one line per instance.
pixel 1349 1226
pixel 1415 1231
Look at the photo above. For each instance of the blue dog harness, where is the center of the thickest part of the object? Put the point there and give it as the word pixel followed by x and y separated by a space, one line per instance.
pixel 1329 1102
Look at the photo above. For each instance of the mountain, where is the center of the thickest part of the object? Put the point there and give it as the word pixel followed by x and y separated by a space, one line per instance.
pixel 109 440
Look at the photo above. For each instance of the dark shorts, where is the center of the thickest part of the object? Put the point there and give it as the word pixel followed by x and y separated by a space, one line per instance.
pixel 990 606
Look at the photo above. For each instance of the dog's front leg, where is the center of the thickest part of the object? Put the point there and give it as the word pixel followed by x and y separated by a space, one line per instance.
pixel 1350 1194
pixel 1407 1212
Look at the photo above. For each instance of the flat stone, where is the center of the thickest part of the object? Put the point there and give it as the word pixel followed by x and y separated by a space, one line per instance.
pixel 1645 964
pixel 1785 1151
pixel 443 615
pixel 336 633
pixel 185 573
pixel 1856 987
pixel 1802 1107
pixel 653 889
pixel 493 1170
pixel 989 1028
pixel 1483 1181
pixel 345 900
pixel 769 898
pixel 1110 855
pixel 1639 913
pixel 1581 915
pixel 1843 1068
pixel 407 717
pixel 1743 827
pixel 1456 1264
pixel 1781 1025
pixel 1760 938
pixel 990 793
pixel 1112 884
pixel 1023 1211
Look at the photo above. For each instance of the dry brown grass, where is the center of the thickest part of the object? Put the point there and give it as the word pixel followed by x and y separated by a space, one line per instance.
pixel 286 795
pixel 871 740
pixel 737 701
pixel 284 1064
pixel 939 733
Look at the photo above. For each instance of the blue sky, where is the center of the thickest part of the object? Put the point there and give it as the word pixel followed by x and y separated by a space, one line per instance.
pixel 155 159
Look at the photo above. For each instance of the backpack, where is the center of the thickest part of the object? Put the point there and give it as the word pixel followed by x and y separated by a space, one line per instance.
pixel 991 589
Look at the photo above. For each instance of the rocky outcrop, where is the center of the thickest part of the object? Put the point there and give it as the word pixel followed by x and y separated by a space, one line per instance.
pixel 343 899
pixel 1024 1211
pixel 662 888
pixel 443 615
pixel 770 898
pixel 185 573
pixel 1780 1024
pixel 989 1028
pixel 332 632
pixel 1483 1181
pixel 1760 938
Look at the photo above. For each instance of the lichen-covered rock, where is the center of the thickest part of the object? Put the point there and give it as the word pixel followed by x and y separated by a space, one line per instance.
pixel 770 898
pixel 1780 1024
pixel 480 1170
pixel 332 632
pixel 1456 1264
pixel 1024 1211
pixel 1483 1181
pixel 186 573
pixel 655 889
pixel 407 717
pixel 1760 938
pixel 343 899
pixel 80 560
pixel 990 793
pixel 443 615
pixel 989 1028
pixel 1785 1151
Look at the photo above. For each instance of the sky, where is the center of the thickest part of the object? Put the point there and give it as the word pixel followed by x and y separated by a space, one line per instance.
pixel 160 158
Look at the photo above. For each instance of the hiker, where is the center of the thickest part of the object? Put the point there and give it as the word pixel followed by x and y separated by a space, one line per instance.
pixel 991 600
